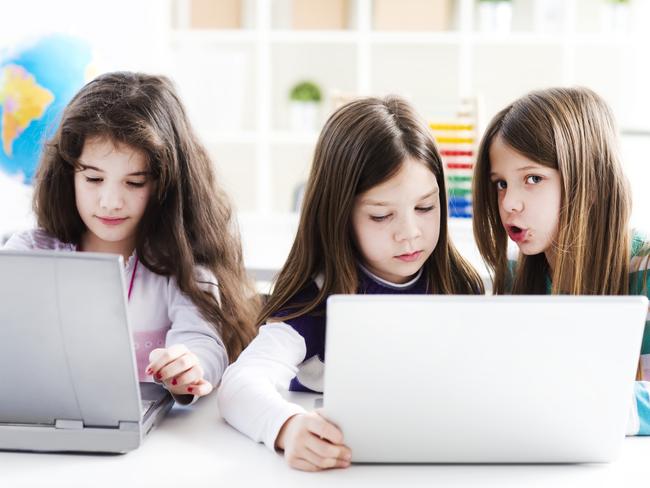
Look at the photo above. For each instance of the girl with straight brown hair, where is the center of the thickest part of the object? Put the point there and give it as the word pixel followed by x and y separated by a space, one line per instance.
pixel 374 221
pixel 126 174
pixel 549 177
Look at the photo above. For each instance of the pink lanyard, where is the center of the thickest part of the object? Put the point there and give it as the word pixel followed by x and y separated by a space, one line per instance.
pixel 135 267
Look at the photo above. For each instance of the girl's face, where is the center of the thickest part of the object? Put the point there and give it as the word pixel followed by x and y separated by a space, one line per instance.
pixel 397 223
pixel 112 190
pixel 529 196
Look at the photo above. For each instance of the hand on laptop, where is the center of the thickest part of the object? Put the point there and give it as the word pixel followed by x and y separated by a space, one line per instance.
pixel 179 370
pixel 311 443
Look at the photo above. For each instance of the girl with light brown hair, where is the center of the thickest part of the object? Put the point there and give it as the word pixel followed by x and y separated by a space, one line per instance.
pixel 373 221
pixel 549 177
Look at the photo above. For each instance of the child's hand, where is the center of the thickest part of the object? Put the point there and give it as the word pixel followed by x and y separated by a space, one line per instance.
pixel 311 443
pixel 179 370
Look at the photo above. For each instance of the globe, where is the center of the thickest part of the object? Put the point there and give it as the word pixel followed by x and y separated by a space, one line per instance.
pixel 36 82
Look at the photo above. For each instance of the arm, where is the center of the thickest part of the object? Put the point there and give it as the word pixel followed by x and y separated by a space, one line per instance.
pixel 248 397
pixel 639 421
pixel 194 357
pixel 249 400
pixel 198 335
pixel 19 242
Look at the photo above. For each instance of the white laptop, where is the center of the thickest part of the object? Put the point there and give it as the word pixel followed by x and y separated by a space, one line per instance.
pixel 66 356
pixel 459 379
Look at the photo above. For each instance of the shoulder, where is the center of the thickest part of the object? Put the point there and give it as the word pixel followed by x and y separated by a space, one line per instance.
pixel 204 277
pixel 297 301
pixel 640 243
pixel 640 253
pixel 640 264
pixel 35 239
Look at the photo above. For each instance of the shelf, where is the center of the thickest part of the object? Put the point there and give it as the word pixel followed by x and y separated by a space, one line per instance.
pixel 235 137
pixel 294 137
pixel 222 36
pixel 436 38
pixel 433 69
pixel 519 38
pixel 313 37
pixel 249 36
pixel 306 138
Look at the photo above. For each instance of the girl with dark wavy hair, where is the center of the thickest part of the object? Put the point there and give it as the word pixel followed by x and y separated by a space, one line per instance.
pixel 126 174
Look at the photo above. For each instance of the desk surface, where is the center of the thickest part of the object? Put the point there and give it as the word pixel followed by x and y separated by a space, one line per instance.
pixel 194 447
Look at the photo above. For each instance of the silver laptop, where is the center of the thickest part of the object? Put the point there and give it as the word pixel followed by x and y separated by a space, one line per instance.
pixel 517 379
pixel 66 356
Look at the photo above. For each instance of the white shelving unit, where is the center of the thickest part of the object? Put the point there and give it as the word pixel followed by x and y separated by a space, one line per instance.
pixel 248 72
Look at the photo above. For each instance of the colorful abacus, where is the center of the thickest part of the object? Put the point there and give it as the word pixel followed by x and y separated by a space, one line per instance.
pixel 456 143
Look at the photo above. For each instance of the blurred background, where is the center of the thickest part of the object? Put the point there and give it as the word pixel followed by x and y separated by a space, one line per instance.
pixel 260 77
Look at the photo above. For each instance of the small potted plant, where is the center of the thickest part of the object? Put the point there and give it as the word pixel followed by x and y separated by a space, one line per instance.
pixel 495 15
pixel 305 98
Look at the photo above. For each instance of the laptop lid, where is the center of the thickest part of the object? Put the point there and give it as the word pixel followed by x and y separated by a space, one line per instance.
pixel 65 344
pixel 481 379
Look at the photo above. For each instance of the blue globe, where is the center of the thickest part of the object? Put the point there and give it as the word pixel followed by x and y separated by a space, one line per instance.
pixel 36 83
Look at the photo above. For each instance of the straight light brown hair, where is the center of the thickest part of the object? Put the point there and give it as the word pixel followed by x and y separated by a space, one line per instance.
pixel 363 144
pixel 571 130
pixel 188 220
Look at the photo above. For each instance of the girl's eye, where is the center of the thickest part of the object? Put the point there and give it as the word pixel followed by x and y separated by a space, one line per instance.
pixel 379 218
pixel 501 185
pixel 533 179
pixel 425 209
pixel 136 184
pixel 93 180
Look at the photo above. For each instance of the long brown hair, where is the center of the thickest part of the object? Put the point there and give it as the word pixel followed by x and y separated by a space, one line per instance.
pixel 363 144
pixel 571 130
pixel 188 220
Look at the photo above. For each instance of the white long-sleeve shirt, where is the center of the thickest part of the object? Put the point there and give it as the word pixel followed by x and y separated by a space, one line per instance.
pixel 160 314
pixel 249 397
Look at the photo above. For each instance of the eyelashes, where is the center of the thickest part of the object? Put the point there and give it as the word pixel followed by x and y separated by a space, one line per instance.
pixel 133 184
pixel 382 218
pixel 530 179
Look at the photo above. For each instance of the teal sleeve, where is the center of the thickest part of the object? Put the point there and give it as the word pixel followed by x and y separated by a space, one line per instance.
pixel 641 390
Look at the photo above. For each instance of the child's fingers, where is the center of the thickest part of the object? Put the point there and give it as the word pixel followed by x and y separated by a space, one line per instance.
pixel 302 465
pixel 317 460
pixel 177 367
pixel 192 375
pixel 201 388
pixel 317 425
pixel 154 355
pixel 327 450
pixel 159 358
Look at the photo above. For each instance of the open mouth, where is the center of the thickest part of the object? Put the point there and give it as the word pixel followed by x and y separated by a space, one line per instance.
pixel 517 234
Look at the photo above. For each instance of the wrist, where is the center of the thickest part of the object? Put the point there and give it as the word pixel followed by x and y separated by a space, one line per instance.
pixel 279 440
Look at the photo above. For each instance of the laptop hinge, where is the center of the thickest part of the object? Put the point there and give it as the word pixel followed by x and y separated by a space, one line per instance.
pixel 129 426
pixel 69 424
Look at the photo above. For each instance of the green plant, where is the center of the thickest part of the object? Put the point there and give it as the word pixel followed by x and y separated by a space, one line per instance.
pixel 305 91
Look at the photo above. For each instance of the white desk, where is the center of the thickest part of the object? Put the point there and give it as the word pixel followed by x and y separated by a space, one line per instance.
pixel 195 448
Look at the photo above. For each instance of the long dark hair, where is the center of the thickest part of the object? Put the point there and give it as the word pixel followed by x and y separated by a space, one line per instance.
pixel 188 220
pixel 363 144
